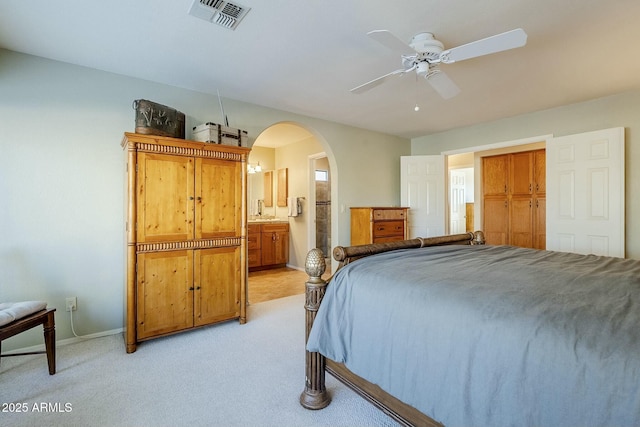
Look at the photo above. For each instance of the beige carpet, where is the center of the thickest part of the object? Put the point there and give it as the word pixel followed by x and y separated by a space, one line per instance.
pixel 226 375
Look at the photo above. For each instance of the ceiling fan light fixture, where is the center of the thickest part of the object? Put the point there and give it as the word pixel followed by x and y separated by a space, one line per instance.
pixel 422 69
pixel 430 53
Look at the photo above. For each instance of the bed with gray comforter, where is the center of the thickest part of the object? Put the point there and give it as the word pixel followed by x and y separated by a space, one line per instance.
pixel 491 335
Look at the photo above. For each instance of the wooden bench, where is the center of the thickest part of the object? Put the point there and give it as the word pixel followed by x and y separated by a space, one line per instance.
pixel 45 318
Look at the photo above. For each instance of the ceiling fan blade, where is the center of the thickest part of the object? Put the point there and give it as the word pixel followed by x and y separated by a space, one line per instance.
pixel 442 84
pixel 375 82
pixel 499 42
pixel 388 39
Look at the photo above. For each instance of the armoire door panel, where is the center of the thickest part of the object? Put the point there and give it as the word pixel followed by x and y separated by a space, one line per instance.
pixel 165 198
pixel 218 198
pixel 217 284
pixel 164 292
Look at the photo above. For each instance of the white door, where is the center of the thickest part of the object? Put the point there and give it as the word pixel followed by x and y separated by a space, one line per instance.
pixel 585 193
pixel 457 197
pixel 422 191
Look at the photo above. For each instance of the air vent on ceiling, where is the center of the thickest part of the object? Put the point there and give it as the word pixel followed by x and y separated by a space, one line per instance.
pixel 219 12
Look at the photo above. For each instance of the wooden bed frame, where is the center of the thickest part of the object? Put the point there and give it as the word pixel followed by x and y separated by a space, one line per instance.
pixel 315 395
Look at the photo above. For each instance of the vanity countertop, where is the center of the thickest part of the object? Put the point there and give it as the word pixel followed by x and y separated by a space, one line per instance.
pixel 267 220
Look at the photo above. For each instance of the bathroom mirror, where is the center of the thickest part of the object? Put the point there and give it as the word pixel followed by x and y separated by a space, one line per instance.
pixel 283 187
pixel 256 185
pixel 268 188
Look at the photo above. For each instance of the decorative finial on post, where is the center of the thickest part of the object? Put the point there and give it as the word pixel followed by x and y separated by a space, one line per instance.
pixel 315 265
pixel 315 395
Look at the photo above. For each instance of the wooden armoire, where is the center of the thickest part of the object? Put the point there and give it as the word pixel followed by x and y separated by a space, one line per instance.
pixel 185 235
pixel 514 199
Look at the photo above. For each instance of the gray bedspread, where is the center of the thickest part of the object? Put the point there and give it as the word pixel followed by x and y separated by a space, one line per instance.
pixel 491 335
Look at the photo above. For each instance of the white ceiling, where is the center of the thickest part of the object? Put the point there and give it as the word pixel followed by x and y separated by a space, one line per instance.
pixel 304 56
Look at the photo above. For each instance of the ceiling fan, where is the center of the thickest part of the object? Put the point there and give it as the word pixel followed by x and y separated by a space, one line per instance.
pixel 424 54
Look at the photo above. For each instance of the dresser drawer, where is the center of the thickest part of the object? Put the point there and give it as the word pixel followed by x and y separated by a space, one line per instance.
pixel 275 228
pixel 253 229
pixel 387 239
pixel 388 228
pixel 377 224
pixel 388 214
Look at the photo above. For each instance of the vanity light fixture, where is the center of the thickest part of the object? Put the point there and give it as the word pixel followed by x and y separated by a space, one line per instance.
pixel 254 168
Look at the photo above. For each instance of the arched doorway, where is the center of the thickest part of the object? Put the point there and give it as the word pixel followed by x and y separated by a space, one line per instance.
pixel 301 153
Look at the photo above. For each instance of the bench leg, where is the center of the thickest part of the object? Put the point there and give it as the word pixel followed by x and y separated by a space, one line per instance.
pixel 50 341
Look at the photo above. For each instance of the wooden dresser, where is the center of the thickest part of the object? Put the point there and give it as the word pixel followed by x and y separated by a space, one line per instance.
pixel 378 225
pixel 185 235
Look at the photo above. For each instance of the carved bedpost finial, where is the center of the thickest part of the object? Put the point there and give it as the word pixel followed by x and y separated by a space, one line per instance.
pixel 315 265
pixel 478 238
pixel 315 395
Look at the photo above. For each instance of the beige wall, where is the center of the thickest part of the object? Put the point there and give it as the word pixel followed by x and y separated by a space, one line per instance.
pixel 295 157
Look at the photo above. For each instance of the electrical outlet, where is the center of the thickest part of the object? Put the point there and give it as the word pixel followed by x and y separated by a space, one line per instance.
pixel 72 304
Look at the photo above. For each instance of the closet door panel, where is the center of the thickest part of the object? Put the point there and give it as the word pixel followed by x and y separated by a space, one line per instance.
pixel 540 220
pixel 496 221
pixel 521 229
pixel 540 171
pixel 521 175
pixel 495 175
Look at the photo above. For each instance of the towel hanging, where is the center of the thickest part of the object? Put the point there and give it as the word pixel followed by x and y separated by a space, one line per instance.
pixel 292 206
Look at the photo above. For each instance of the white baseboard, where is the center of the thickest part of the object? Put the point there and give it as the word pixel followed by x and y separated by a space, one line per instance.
pixel 73 340
pixel 295 267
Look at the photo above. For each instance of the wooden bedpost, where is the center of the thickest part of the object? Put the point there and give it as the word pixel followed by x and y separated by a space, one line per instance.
pixel 478 238
pixel 315 395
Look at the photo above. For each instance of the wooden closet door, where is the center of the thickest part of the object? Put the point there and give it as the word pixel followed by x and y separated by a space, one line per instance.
pixel 218 190
pixel 496 221
pixel 495 187
pixel 540 171
pixel 495 174
pixel 165 198
pixel 217 284
pixel 540 223
pixel 540 199
pixel 164 292
pixel 521 174
pixel 521 203
pixel 521 222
